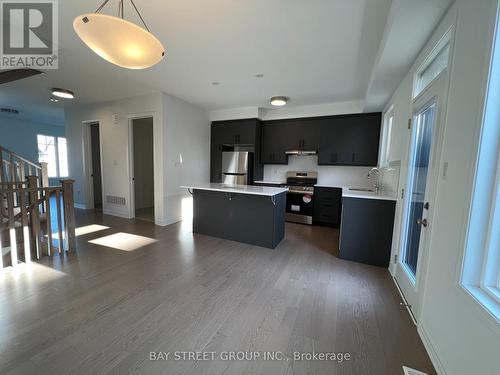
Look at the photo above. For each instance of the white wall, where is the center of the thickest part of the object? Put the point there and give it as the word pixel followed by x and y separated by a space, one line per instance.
pixel 289 111
pixel 460 337
pixel 114 149
pixel 340 176
pixel 181 151
pixel 187 153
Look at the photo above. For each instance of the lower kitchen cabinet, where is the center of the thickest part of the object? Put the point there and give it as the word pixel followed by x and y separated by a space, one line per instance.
pixel 327 206
pixel 366 230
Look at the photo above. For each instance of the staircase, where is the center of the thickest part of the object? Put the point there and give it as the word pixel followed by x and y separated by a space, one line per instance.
pixel 36 219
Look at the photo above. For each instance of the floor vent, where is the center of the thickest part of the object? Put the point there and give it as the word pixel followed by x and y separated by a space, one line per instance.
pixel 113 199
pixel 410 371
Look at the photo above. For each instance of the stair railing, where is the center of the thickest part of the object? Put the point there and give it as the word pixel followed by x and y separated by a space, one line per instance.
pixel 15 168
pixel 29 214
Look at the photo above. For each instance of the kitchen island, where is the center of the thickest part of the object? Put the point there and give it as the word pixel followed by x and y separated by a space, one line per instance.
pixel 243 213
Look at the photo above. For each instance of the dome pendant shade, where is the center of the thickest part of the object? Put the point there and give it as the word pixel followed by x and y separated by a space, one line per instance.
pixel 119 41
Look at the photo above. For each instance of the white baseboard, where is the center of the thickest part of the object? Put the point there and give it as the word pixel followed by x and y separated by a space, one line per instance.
pixel 167 222
pixel 82 206
pixel 431 350
pixel 116 213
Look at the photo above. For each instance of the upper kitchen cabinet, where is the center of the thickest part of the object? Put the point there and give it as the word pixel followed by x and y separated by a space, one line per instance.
pixel 231 135
pixel 273 143
pixel 235 132
pixel 280 136
pixel 350 140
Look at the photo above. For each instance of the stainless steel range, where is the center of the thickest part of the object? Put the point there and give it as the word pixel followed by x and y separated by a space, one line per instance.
pixel 300 196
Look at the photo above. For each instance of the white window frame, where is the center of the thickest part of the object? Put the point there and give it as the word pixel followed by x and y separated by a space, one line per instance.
pixel 443 43
pixel 481 264
pixel 385 144
pixel 56 146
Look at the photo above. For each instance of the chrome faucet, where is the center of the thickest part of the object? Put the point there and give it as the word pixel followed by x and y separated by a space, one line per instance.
pixel 376 183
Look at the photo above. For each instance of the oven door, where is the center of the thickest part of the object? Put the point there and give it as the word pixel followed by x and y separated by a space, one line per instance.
pixel 299 207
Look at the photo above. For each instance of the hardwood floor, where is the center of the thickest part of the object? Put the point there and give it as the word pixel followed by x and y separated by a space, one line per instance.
pixel 103 310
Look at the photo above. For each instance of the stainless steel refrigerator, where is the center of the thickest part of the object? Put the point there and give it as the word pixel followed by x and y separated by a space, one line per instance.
pixel 237 167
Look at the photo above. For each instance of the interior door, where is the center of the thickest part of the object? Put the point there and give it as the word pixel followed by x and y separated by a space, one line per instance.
pixel 419 203
pixel 96 165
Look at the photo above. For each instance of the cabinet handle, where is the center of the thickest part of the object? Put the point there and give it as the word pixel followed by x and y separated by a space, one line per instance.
pixel 353 157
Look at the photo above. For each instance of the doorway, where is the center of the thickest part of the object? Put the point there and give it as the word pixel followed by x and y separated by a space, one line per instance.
pixel 143 168
pixel 419 196
pixel 95 174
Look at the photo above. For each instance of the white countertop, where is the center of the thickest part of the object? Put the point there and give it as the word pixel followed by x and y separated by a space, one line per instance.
pixel 361 194
pixel 239 189
pixel 270 182
pixel 367 195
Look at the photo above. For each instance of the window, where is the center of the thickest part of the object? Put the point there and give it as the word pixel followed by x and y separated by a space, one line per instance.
pixel 433 65
pixel 386 138
pixel 481 271
pixel 54 152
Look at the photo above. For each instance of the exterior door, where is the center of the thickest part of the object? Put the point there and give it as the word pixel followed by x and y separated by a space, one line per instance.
pixel 422 174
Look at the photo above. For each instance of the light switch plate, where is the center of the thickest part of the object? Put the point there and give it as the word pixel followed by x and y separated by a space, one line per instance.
pixel 445 170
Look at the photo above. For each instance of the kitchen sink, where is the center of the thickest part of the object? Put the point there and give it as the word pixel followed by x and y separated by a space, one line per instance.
pixel 362 189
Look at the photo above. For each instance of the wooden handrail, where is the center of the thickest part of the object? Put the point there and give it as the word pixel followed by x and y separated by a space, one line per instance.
pixel 19 157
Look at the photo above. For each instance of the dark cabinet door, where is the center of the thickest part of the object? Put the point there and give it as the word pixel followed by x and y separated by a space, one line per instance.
pixel 236 132
pixel 350 140
pixel 225 135
pixel 310 133
pixel 216 142
pixel 366 230
pixel 274 143
pixel 327 206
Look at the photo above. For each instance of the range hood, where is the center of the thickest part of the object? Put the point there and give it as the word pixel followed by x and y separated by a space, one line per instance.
pixel 301 152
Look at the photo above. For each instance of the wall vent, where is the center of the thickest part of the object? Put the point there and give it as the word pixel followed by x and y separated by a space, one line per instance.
pixel 410 371
pixel 113 199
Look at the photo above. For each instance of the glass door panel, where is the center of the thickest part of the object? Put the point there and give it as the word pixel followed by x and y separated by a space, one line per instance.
pixel 418 169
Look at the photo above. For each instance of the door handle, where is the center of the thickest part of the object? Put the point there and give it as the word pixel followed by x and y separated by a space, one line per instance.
pixel 422 222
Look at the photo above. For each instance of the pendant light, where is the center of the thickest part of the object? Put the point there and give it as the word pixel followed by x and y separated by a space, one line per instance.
pixel 117 40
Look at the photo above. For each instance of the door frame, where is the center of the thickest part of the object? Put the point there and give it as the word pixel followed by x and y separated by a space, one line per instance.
pixel 87 160
pixel 436 92
pixel 157 166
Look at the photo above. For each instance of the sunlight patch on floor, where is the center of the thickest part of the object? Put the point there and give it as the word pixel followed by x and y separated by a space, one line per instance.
pixel 123 241
pixel 187 214
pixel 30 271
pixel 81 231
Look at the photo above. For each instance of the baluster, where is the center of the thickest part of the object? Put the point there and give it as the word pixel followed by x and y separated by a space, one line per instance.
pixel 69 214
pixel 2 169
pixel 48 220
pixel 22 176
pixel 35 214
pixel 26 228
pixel 59 221
pixel 12 227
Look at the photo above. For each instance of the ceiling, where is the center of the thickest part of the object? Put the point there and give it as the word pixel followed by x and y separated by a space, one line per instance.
pixel 315 51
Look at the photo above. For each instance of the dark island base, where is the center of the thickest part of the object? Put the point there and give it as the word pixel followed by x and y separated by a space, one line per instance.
pixel 253 219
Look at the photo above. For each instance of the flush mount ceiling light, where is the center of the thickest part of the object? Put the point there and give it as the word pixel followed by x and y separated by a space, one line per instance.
pixel 63 93
pixel 117 40
pixel 279 101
